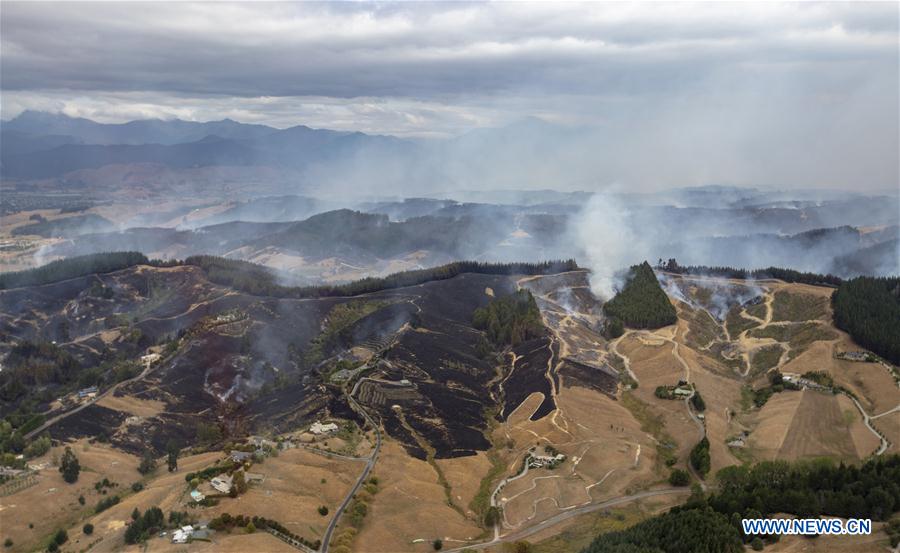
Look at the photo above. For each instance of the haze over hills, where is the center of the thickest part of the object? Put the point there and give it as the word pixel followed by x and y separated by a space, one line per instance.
pixel 404 277
pixel 531 153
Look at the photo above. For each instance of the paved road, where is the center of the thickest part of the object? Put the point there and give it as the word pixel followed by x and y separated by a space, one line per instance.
pixel 552 521
pixel 370 464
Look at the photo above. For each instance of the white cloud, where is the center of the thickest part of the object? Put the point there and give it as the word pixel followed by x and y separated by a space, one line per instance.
pixel 738 92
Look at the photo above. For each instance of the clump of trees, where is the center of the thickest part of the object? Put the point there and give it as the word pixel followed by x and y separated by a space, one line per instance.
pixel 172 455
pixel 148 463
pixel 492 516
pixel 209 472
pixel 868 309
pixel 787 275
pixel 678 531
pixel 679 477
pixel 238 484
pixel 697 402
pixel 613 328
pixel 144 525
pixel 806 489
pixel 69 466
pixel 810 489
pixel 59 538
pixel 641 303
pixel 261 281
pixel 72 267
pixel 355 515
pixel 106 503
pixel 208 433
pixel 700 457
pixel 31 365
pixel 510 320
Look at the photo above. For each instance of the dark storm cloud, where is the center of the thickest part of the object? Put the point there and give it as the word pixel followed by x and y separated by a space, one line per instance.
pixel 416 50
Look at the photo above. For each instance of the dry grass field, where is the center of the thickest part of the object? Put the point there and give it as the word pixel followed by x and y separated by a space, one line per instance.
pixel 235 542
pixel 52 503
pixel 165 490
pixel 607 454
pixel 133 405
pixel 410 509
pixel 819 429
pixel 796 425
pixel 462 474
pixel 296 483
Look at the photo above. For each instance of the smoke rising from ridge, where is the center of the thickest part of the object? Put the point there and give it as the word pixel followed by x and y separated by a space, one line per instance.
pixel 604 231
pixel 613 231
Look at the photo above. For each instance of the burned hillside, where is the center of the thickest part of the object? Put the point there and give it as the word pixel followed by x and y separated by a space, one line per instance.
pixel 201 355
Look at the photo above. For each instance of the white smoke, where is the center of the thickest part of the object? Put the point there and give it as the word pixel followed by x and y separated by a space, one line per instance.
pixel 609 242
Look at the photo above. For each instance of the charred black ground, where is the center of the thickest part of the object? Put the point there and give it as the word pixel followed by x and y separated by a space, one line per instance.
pixel 241 363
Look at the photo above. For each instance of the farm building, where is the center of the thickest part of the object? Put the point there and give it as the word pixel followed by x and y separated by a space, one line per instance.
pixel 318 428
pixel 241 456
pixel 259 441
pixel 221 483
pixel 183 534
pixel 88 392
pixel 538 461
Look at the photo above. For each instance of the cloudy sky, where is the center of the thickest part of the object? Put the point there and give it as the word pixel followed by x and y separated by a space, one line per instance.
pixel 747 83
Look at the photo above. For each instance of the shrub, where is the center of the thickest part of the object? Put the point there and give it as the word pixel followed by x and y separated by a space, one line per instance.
pixel 148 463
pixel 88 529
pixel 679 477
pixel 700 457
pixel 697 402
pixel 69 466
pixel 106 503
pixel 492 517
pixel 613 328
pixel 437 544
pixel 323 510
